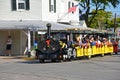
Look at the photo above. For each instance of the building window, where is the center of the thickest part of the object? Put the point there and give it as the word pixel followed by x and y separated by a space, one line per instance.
pixel 52 6
pixel 21 4
pixel 18 5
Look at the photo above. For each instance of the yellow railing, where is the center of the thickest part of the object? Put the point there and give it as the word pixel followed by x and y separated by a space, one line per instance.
pixel 94 50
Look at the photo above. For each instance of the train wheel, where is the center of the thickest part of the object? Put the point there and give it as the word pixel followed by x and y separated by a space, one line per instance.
pixel 88 57
pixel 53 60
pixel 70 59
pixel 60 60
pixel 41 60
pixel 111 53
pixel 103 55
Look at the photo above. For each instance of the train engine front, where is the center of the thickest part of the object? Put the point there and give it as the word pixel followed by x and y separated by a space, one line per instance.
pixel 48 49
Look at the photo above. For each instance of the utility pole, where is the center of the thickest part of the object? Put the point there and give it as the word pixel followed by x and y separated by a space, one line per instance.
pixel 115 22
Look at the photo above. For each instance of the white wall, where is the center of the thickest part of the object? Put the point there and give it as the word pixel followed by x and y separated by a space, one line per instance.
pixel 7 14
pixel 39 10
pixel 61 10
pixel 46 15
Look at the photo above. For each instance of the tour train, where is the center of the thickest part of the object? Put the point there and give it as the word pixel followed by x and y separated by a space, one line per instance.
pixel 73 44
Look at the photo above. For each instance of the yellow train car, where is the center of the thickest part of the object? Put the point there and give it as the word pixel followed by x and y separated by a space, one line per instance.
pixel 79 51
pixel 82 51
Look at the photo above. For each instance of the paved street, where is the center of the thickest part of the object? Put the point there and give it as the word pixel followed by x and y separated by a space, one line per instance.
pixel 97 68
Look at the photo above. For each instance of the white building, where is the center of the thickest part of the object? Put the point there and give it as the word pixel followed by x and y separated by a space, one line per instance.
pixel 46 10
pixel 16 16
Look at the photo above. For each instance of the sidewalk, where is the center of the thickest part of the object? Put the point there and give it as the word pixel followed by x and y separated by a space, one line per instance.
pixel 17 57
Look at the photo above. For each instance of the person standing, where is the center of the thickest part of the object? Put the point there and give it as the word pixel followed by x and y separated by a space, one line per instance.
pixel 115 45
pixel 8 45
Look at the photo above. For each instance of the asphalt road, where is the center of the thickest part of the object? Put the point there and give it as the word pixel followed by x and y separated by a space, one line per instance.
pixel 97 68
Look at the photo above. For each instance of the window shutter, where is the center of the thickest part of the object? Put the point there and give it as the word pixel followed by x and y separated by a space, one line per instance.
pixel 55 6
pixel 72 4
pixel 69 5
pixel 27 5
pixel 50 5
pixel 13 5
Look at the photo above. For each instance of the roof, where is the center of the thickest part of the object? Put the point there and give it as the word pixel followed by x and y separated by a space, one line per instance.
pixel 34 24
pixel 41 25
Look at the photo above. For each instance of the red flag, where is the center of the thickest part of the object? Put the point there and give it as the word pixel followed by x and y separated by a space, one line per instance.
pixel 72 9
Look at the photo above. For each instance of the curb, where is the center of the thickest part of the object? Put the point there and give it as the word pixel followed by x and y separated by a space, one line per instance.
pixel 27 58
pixel 17 57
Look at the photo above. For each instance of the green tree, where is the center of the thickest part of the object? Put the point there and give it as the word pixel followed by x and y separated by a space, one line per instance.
pixel 101 20
pixel 118 22
pixel 96 5
pixel 112 23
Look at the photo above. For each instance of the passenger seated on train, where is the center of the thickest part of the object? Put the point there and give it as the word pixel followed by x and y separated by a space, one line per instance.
pixel 70 43
pixel 98 42
pixel 92 41
pixel 102 44
pixel 105 40
pixel 63 49
pixel 87 43
pixel 78 42
pixel 83 42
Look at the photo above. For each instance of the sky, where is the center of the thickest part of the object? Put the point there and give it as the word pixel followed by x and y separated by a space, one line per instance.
pixel 114 10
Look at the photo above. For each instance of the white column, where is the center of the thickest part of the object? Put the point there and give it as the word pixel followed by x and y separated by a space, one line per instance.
pixel 29 43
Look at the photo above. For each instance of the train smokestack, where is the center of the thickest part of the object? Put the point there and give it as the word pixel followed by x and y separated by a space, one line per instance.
pixel 48 30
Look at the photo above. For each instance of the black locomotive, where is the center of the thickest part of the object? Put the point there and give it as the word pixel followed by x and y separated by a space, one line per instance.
pixel 50 49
